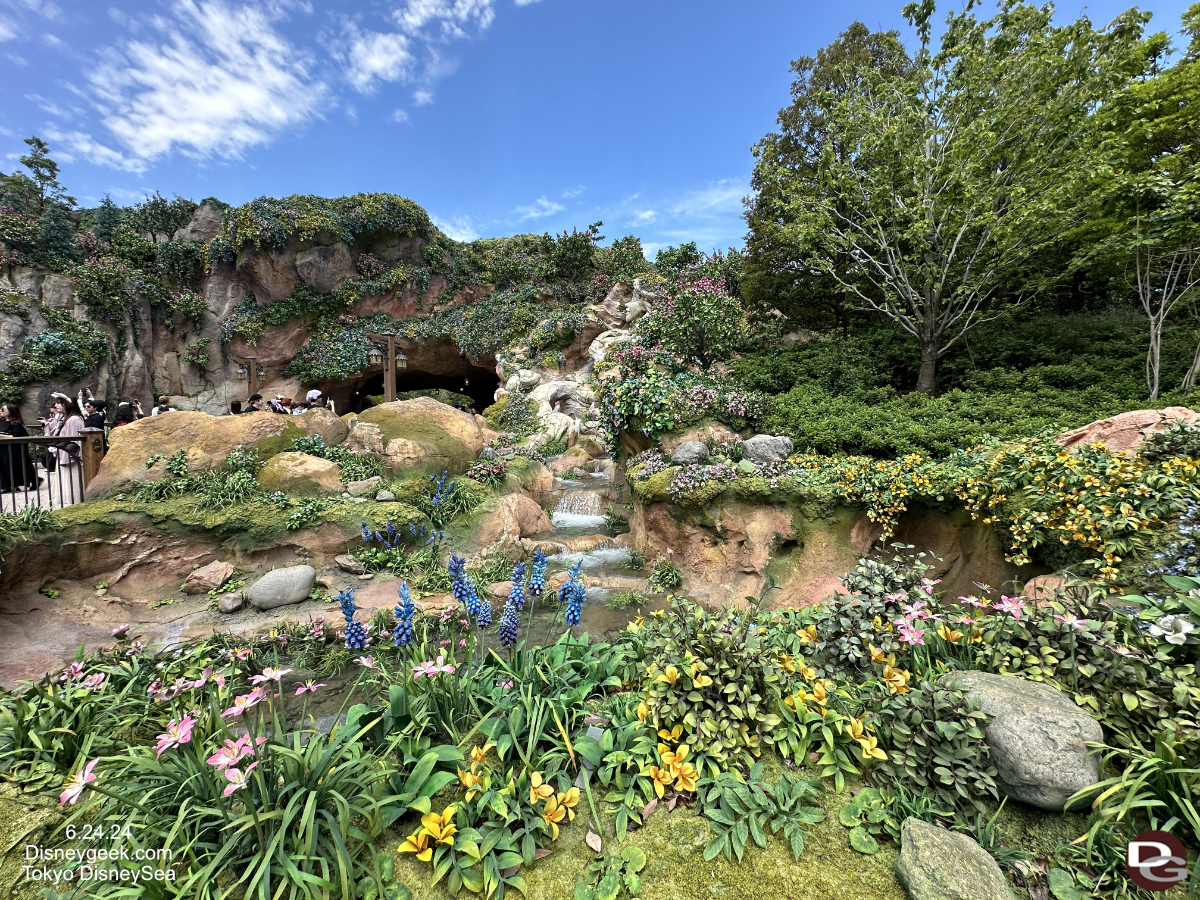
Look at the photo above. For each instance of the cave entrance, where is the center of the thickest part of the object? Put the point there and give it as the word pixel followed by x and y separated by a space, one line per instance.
pixel 477 383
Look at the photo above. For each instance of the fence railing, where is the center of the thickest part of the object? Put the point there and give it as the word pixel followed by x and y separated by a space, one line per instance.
pixel 50 472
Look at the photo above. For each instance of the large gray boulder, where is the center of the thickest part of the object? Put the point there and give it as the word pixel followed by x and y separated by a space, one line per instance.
pixel 936 864
pixel 325 268
pixel 764 448
pixel 690 453
pixel 1038 737
pixel 282 587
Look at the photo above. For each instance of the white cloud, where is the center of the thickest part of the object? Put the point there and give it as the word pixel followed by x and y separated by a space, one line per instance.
pixel 573 192
pixel 458 228
pixel 222 80
pixel 8 29
pixel 81 145
pixel 452 18
pixel 526 2
pixel 645 216
pixel 53 40
pixel 401 117
pixel 375 56
pixel 718 197
pixel 15 60
pixel 539 208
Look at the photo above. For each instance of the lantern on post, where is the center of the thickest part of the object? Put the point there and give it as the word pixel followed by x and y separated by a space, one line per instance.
pixel 401 359
pixel 241 373
pixel 375 357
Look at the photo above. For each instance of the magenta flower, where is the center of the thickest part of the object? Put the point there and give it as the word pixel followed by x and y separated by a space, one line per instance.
pixel 203 679
pixel 120 632
pixel 898 597
pixel 238 779
pixel 445 643
pixel 1072 622
pixel 910 635
pixel 93 682
pixel 307 687
pixel 914 609
pixel 367 662
pixel 234 751
pixel 269 674
pixel 928 583
pixel 177 733
pixel 1010 605
pixel 244 702
pixel 975 602
pixel 73 671
pixel 76 783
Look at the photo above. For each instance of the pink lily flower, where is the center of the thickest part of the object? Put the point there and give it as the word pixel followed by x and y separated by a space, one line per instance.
pixel 307 687
pixel 910 635
pixel 76 783
pixel 1010 605
pixel 243 703
pixel 73 671
pixel 93 682
pixel 269 674
pixel 1071 621
pixel 928 583
pixel 177 733
pixel 237 778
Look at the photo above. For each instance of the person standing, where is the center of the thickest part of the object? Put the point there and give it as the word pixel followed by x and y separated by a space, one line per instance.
pixel 253 403
pixel 17 471
pixel 65 422
pixel 235 407
pixel 164 406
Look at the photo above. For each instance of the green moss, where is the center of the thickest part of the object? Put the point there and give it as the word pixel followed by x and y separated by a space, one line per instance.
pixel 25 819
pixel 654 488
pixel 444 449
pixel 281 442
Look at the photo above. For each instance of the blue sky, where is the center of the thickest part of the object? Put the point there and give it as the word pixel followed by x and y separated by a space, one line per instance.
pixel 497 116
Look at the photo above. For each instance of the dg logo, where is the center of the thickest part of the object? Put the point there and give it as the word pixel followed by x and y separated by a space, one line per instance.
pixel 1156 861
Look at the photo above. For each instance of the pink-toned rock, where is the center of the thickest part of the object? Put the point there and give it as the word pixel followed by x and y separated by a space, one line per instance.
pixel 705 431
pixel 1127 431
pixel 572 459
pixel 500 588
pixel 515 516
pixel 208 578
pixel 1042 588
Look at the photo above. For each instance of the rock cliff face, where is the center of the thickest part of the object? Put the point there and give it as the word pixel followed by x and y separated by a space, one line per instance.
pixel 147 358
pixel 732 548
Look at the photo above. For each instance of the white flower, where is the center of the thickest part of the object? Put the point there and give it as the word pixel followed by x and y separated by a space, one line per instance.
pixel 1174 628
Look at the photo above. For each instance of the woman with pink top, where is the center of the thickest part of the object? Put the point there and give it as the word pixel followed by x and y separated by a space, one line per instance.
pixel 66 422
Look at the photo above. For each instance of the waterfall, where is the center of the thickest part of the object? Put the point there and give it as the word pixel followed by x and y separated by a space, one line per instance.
pixel 579 509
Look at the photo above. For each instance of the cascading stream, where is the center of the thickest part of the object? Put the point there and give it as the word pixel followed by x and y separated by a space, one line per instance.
pixel 579 509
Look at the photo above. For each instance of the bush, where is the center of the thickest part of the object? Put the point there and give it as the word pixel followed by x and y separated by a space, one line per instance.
pixel 351 466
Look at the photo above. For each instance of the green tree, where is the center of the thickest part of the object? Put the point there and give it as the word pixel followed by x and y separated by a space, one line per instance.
pixel 1145 196
pixel 779 273
pixel 161 218
pixel 106 218
pixel 957 172
pixel 671 261
pixel 571 258
pixel 695 319
pixel 44 172
pixel 56 235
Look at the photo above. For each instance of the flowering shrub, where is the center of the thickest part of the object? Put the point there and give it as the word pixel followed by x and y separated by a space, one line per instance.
pixel 489 472
pixel 696 318
pixel 697 485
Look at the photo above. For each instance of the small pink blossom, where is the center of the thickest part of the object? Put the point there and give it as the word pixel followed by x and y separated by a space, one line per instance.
pixel 234 751
pixel 120 632
pixel 203 679
pixel 898 597
pixel 445 643
pixel 76 783
pixel 928 583
pixel 177 733
pixel 367 662
pixel 1072 622
pixel 914 609
pixel 975 602
pixel 237 778
pixel 307 687
pixel 73 671
pixel 462 642
pixel 910 635
pixel 93 682
pixel 243 703
pixel 1011 605
pixel 269 674
pixel 986 588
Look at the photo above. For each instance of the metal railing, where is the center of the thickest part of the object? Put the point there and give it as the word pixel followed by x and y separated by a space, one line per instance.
pixel 32 473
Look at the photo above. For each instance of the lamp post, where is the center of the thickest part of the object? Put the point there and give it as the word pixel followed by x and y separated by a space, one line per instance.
pixel 248 366
pixel 392 357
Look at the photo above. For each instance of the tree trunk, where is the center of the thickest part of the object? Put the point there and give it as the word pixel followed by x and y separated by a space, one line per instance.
pixel 927 379
pixel 1189 380
pixel 1153 354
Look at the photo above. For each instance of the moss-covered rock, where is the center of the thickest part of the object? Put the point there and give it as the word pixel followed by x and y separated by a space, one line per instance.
pixel 420 434
pixel 937 864
pixel 207 439
pixel 300 474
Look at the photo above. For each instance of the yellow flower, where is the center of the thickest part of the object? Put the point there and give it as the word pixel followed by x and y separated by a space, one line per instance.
pixel 569 801
pixel 870 748
pixel 479 753
pixel 471 782
pixel 538 790
pixel 670 676
pixel 896 680
pixel 642 711
pixel 418 843
pixel 662 779
pixel 818 694
pixel 857 727
pixel 877 655
pixel 672 757
pixel 946 633
pixel 673 735
pixel 701 681
pixel 786 663
pixel 636 624
pixel 552 814
pixel 793 701
pixel 808 635
pixel 807 671
pixel 439 827
pixel 685 777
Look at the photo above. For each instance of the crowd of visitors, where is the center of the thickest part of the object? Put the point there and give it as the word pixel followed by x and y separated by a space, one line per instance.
pixel 24 466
